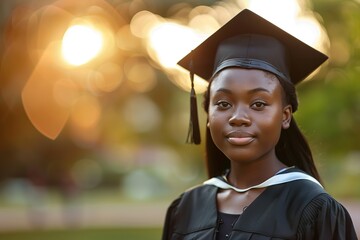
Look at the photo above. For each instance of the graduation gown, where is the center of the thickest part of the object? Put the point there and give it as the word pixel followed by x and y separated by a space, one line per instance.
pixel 298 209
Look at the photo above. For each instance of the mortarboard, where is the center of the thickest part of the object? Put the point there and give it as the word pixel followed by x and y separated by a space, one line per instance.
pixel 249 41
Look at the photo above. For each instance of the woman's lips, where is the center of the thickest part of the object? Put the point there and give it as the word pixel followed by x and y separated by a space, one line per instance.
pixel 240 138
pixel 240 141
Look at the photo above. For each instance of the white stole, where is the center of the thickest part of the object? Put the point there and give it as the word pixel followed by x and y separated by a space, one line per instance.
pixel 274 180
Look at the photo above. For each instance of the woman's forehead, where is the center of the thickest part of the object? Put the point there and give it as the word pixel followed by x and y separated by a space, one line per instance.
pixel 244 79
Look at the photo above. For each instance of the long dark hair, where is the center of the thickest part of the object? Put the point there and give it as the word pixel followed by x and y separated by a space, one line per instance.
pixel 292 148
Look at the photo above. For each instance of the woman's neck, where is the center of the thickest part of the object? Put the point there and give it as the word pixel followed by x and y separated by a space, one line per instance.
pixel 244 175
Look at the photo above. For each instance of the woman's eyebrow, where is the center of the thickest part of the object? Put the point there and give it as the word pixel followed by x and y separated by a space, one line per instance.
pixel 259 89
pixel 251 91
pixel 225 90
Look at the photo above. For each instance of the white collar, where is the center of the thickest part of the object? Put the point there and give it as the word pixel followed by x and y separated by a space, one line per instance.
pixel 274 180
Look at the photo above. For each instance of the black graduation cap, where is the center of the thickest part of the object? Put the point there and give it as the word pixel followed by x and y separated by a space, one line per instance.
pixel 249 41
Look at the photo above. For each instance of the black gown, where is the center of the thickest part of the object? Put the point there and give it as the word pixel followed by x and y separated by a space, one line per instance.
pixel 299 209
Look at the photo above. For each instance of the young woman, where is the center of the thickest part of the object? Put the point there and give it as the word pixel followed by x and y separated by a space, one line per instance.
pixel 263 181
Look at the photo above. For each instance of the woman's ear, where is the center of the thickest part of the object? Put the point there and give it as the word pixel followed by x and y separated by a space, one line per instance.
pixel 287 115
pixel 208 124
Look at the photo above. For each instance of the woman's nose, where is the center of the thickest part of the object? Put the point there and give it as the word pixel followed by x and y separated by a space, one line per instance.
pixel 239 118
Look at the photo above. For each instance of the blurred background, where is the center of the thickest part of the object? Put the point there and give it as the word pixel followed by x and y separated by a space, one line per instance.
pixel 94 110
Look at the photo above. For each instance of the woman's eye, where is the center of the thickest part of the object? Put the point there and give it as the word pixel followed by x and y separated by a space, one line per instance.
pixel 258 105
pixel 223 105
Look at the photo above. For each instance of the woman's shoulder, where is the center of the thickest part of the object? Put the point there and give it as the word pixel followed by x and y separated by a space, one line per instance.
pixel 321 213
pixel 325 202
pixel 194 210
pixel 329 217
pixel 195 193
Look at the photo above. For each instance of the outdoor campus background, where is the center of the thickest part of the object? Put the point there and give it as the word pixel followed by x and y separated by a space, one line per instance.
pixel 96 139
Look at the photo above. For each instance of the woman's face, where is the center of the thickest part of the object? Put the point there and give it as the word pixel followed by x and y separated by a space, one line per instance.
pixel 246 114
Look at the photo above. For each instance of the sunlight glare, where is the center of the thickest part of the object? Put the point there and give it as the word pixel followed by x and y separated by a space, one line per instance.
pixel 291 16
pixel 81 43
pixel 281 11
pixel 313 32
pixel 167 44
pixel 171 41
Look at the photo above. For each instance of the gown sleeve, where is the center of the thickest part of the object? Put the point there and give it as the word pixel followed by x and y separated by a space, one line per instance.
pixel 325 218
pixel 169 220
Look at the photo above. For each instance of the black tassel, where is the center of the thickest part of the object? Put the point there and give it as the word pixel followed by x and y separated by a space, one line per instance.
pixel 194 129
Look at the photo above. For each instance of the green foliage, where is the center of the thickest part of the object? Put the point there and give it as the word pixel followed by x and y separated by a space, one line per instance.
pixel 330 106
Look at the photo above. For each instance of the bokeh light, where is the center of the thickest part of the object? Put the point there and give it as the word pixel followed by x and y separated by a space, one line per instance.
pixel 140 74
pixel 89 35
pixel 68 50
pixel 142 114
pixel 106 78
pixel 87 173
pixel 81 44
pixel 292 16
pixel 169 40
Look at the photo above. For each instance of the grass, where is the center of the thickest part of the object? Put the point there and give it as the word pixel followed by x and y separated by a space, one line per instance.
pixel 85 234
